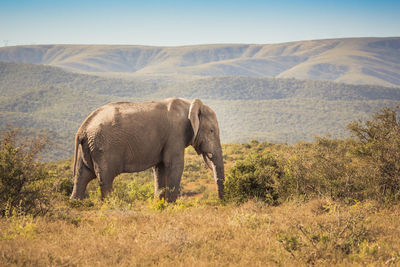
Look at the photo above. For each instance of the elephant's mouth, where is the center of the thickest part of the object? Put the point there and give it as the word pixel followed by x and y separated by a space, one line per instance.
pixel 207 159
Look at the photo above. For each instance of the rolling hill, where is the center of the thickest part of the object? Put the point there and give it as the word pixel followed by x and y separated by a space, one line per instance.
pixel 353 60
pixel 272 109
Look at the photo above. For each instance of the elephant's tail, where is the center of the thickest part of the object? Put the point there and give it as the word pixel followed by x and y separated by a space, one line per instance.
pixel 78 141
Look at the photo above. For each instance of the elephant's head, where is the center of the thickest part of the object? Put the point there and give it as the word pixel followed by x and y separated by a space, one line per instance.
pixel 206 140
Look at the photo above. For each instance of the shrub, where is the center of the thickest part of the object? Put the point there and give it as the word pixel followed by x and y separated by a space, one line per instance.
pixel 140 192
pixel 65 186
pixel 366 166
pixel 377 145
pixel 255 177
pixel 158 204
pixel 126 192
pixel 323 168
pixel 22 178
pixel 61 173
pixel 20 225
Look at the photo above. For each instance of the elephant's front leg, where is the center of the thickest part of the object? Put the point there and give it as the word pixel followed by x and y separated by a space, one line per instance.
pixel 167 179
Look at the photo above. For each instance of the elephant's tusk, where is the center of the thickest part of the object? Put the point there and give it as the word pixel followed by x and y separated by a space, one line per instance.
pixel 207 161
pixel 209 155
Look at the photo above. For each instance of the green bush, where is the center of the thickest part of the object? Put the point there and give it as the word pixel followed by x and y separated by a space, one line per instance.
pixel 65 186
pixel 140 192
pixel 377 145
pixel 23 180
pixel 323 168
pixel 255 177
pixel 62 181
pixel 365 166
pixel 126 192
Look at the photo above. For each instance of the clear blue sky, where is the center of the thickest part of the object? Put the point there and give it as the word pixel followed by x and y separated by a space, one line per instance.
pixel 186 22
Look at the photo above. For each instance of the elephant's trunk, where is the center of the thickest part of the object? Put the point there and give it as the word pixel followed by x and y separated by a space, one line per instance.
pixel 219 177
pixel 216 163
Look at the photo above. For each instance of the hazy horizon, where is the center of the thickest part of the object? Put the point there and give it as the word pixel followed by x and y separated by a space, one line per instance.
pixel 194 45
pixel 181 23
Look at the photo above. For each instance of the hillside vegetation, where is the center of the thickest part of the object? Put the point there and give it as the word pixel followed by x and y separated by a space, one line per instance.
pixel 278 110
pixel 353 60
pixel 329 202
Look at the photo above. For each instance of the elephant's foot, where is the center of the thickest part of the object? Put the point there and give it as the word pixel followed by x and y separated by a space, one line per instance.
pixel 170 195
pixel 105 190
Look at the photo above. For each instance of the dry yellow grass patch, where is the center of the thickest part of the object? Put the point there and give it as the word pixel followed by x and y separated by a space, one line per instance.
pixel 190 233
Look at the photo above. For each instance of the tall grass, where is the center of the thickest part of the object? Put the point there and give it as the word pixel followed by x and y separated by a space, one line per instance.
pixel 320 232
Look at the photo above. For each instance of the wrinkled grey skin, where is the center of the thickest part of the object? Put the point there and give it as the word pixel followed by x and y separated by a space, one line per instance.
pixel 132 137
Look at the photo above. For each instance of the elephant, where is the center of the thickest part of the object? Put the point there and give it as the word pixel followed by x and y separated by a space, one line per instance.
pixel 128 137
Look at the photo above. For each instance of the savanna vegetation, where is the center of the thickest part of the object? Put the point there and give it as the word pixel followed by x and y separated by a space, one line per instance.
pixel 328 202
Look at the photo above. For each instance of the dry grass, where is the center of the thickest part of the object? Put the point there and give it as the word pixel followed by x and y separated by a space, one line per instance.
pixel 320 232
pixel 198 230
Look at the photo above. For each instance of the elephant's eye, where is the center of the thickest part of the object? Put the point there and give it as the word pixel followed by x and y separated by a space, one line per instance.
pixel 211 130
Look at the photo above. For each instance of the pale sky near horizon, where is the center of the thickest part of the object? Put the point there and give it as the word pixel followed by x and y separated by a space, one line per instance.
pixel 185 22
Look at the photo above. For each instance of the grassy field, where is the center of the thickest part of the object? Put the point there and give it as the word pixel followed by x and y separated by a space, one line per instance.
pixel 199 229
pixel 330 202
pixel 193 232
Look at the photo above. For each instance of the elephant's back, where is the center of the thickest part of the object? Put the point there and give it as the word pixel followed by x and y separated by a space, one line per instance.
pixel 133 117
pixel 120 121
pixel 112 113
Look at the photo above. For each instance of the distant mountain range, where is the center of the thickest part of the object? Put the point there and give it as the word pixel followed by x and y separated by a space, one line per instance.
pixel 354 60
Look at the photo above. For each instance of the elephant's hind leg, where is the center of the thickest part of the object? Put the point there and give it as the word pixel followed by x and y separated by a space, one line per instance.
pixel 105 182
pixel 82 177
pixel 106 189
pixel 106 178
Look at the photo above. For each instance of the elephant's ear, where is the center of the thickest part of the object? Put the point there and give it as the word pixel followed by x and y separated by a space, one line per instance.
pixel 194 113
